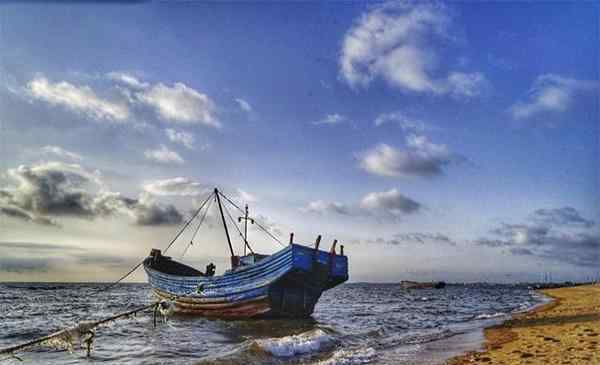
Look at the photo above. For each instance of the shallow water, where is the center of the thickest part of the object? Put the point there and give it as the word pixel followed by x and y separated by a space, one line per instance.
pixel 352 324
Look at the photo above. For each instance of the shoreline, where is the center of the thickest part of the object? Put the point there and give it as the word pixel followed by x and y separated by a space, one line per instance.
pixel 563 331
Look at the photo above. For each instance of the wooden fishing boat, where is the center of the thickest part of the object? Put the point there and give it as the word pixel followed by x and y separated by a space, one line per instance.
pixel 287 283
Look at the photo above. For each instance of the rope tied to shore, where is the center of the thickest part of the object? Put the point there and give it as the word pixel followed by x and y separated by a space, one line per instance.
pixel 83 333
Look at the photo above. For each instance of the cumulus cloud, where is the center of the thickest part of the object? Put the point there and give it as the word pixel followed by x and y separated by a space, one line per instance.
pixel 148 212
pixel 560 234
pixel 127 79
pixel 390 202
pixel 60 152
pixel 565 216
pixel 331 119
pixel 180 103
pixel 56 189
pixel 144 210
pixel 414 238
pixel 395 42
pixel 421 158
pixel 385 204
pixel 244 105
pixel 184 138
pixel 50 189
pixel 550 93
pixel 177 186
pixel 78 98
pixel 320 207
pixel 164 155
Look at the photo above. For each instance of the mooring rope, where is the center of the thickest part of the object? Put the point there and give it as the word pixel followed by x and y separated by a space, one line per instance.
pixel 83 332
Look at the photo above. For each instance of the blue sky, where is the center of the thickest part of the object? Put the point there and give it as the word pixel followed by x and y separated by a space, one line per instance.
pixel 449 141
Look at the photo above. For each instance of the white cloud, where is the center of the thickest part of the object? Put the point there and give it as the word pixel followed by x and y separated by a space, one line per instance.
pixel 390 202
pixel 78 98
pixel 244 105
pixel 184 138
pixel 393 42
pixel 60 152
pixel 468 85
pixel 127 79
pixel 177 186
pixel 164 155
pixel 331 119
pixel 320 207
pixel 422 158
pixel 550 93
pixel 180 103
pixel 405 122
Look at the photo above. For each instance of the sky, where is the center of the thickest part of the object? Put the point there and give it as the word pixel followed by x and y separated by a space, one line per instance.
pixel 450 141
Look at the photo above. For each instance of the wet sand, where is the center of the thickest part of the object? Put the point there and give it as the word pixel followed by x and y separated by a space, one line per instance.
pixel 566 331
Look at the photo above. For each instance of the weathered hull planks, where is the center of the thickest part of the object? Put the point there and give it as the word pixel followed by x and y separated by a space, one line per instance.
pixel 286 284
pixel 237 310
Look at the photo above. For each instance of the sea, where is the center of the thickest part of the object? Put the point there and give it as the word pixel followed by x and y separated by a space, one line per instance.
pixel 354 323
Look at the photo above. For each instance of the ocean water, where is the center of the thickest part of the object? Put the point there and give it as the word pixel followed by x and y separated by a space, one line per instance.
pixel 352 324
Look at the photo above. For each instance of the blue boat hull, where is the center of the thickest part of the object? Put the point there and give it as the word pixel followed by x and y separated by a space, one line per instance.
pixel 286 284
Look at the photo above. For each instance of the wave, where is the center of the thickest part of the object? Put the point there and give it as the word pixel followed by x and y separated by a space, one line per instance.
pixel 351 357
pixel 488 315
pixel 308 342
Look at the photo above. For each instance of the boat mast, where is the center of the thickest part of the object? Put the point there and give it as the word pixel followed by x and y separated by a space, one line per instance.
pixel 224 222
pixel 246 219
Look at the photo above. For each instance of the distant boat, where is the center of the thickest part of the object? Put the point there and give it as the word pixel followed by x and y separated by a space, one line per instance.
pixel 405 284
pixel 287 283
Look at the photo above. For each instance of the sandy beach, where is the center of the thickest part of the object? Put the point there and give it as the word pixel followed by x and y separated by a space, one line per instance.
pixel 566 331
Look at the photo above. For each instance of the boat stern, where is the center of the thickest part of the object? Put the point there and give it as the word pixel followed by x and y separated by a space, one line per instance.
pixel 322 268
pixel 312 272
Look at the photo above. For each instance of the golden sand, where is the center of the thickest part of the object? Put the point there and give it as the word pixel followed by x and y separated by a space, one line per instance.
pixel 566 331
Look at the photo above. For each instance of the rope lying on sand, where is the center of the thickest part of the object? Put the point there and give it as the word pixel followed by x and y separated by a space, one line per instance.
pixel 83 333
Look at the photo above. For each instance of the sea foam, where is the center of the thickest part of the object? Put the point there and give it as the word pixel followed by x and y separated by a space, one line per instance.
pixel 351 357
pixel 307 342
pixel 488 316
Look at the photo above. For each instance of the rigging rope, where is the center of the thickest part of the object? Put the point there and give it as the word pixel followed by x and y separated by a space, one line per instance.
pixel 255 221
pixel 197 228
pixel 188 222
